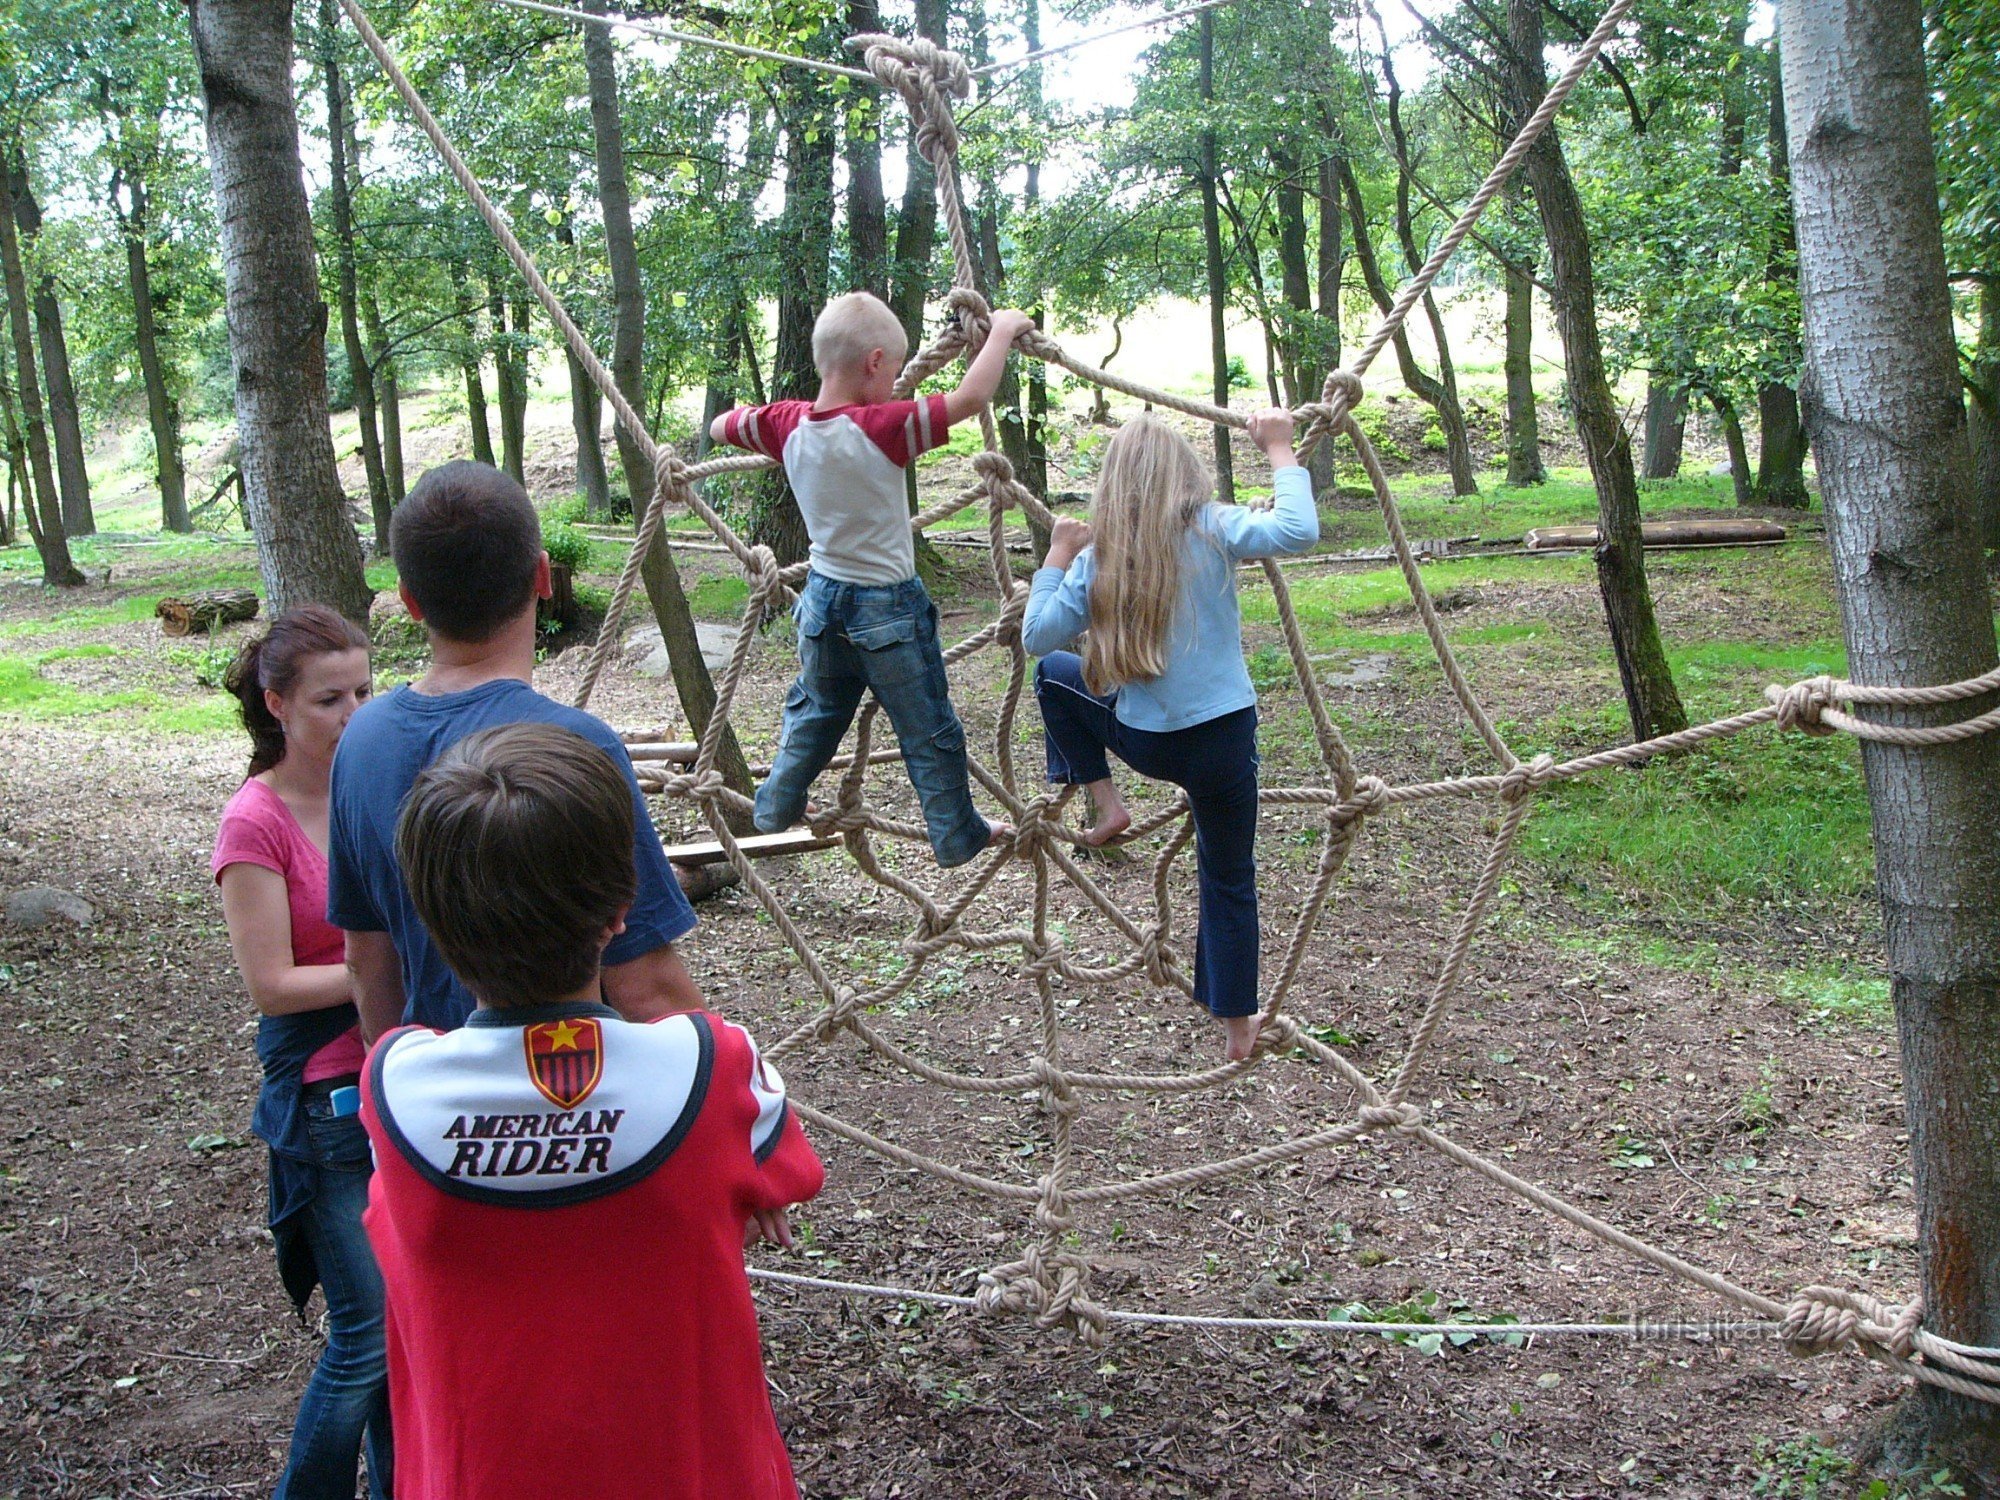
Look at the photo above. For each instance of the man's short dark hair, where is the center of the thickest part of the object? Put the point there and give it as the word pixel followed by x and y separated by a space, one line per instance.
pixel 516 845
pixel 466 541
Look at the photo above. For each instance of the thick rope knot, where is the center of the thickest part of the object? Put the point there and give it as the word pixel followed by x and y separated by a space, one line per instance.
pixel 1059 1097
pixel 1404 1117
pixel 994 468
pixel 972 315
pixel 1153 952
pixel 928 77
pixel 1338 399
pixel 1800 704
pixel 1522 779
pixel 703 786
pixel 1277 1035
pixel 833 1020
pixel 1821 1318
pixel 1045 961
pixel 1369 797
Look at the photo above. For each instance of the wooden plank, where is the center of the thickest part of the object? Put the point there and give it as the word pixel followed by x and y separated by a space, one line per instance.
pixel 1716 531
pixel 757 846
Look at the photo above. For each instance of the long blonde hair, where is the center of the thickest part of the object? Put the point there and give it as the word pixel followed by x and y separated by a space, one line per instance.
pixel 1153 488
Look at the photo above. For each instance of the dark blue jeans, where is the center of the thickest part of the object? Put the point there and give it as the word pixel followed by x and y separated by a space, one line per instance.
pixel 1215 763
pixel 853 639
pixel 348 1394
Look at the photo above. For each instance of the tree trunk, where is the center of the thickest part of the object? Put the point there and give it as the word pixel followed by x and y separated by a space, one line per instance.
pixel 162 409
pixel 1887 424
pixel 1206 175
pixel 1294 280
pixel 916 219
pixel 65 419
pixel 621 250
pixel 1451 414
pixel 1330 265
pixel 306 547
pixel 205 609
pixel 1781 453
pixel 469 362
pixel 1621 564
pixel 586 414
pixel 867 209
pixel 1524 425
pixel 341 190
pixel 1739 451
pixel 1427 388
pixel 1781 458
pixel 1036 475
pixel 805 245
pixel 1666 431
pixel 510 379
pixel 57 568
pixel 1984 414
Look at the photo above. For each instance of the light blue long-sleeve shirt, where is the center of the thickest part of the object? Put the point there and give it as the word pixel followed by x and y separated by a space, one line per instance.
pixel 1205 676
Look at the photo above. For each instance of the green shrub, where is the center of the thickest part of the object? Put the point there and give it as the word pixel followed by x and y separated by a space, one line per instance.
pixel 565 544
pixel 568 511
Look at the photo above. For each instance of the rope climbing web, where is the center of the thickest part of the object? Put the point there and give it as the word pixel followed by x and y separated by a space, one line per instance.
pixel 1050 1279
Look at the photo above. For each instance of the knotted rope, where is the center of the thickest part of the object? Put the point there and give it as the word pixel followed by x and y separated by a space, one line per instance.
pixel 1049 1281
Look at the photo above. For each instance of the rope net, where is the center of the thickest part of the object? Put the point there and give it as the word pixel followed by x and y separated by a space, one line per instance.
pixel 1049 1281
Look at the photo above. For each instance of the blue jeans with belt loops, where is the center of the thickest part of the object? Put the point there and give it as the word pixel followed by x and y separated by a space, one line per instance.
pixel 858 638
pixel 1215 763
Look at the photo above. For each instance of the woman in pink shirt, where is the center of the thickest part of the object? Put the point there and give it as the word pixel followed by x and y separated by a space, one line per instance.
pixel 297 686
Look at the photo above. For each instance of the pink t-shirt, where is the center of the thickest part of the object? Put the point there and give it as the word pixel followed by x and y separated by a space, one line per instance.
pixel 258 829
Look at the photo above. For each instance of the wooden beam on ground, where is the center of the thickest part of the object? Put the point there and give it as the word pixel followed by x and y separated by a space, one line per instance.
pixel 756 846
pixel 1721 531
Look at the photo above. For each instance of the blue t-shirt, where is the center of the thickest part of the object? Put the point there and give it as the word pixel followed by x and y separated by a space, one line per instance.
pixel 386 744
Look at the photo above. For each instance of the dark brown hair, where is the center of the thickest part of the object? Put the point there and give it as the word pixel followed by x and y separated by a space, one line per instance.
pixel 274 660
pixel 466 541
pixel 516 845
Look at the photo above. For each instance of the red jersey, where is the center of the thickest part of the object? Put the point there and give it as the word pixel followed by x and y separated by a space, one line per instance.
pixel 558 1210
pixel 846 467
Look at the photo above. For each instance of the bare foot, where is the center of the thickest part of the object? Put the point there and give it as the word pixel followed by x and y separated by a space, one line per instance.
pixel 1241 1032
pixel 998 833
pixel 1108 827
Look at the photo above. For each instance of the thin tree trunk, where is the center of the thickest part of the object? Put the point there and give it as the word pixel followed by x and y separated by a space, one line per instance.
pixel 1882 405
pixel 621 250
pixel 65 418
pixel 867 209
pixel 306 547
pixel 805 245
pixel 1983 414
pixel 57 568
pixel 390 391
pixel 1206 175
pixel 916 219
pixel 1330 265
pixel 1666 431
pixel 469 362
pixel 341 191
pixel 1781 458
pixel 510 381
pixel 1036 475
pixel 1650 696
pixel 1302 378
pixel 162 409
pixel 1451 414
pixel 1524 425
pixel 1739 450
pixel 586 414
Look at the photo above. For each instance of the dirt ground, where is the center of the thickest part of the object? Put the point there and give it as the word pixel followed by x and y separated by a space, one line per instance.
pixel 146 1349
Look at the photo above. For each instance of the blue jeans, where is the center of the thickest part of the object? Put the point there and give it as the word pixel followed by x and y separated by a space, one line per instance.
pixel 1215 763
pixel 856 638
pixel 349 1390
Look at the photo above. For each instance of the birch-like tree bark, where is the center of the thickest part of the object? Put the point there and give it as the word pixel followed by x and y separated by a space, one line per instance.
pixel 1887 422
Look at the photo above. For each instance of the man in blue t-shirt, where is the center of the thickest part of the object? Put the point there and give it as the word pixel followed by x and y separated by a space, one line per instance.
pixel 468 551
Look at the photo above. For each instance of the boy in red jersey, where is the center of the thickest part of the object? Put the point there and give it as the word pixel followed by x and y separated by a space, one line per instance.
pixel 865 621
pixel 562 1197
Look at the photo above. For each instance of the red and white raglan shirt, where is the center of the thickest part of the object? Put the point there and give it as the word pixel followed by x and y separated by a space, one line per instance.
pixel 846 467
pixel 558 1210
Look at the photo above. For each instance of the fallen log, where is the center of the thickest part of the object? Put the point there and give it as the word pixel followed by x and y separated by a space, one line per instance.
pixel 184 614
pixel 1721 531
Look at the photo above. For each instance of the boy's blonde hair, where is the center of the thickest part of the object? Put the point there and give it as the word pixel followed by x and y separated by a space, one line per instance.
pixel 1153 487
pixel 852 327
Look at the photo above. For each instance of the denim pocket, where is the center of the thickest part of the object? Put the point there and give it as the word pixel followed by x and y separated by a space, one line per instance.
pixel 809 614
pixel 339 1143
pixel 874 627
